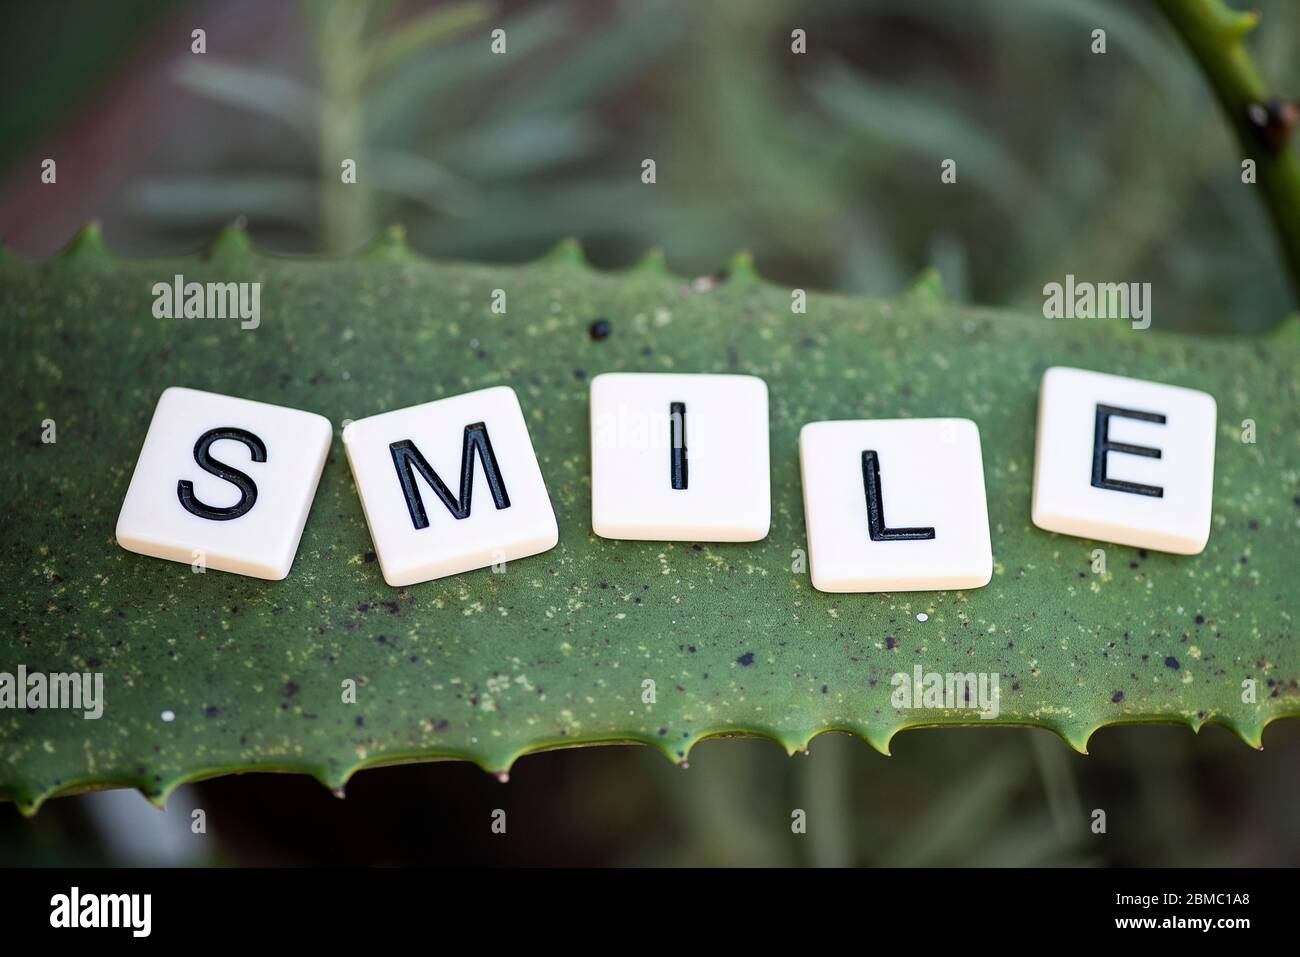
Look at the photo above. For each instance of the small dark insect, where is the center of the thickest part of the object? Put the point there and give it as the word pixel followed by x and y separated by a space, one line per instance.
pixel 1273 121
pixel 599 328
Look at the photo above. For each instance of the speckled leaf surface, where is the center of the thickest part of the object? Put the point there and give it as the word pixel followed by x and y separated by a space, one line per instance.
pixel 554 652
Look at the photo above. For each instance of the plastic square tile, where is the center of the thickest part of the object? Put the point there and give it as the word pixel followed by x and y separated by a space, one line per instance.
pixel 1124 460
pixel 450 486
pixel 680 457
pixel 224 481
pixel 895 505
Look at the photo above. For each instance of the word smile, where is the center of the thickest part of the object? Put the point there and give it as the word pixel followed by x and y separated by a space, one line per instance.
pixel 455 484
pixel 179 299
pixel 74 691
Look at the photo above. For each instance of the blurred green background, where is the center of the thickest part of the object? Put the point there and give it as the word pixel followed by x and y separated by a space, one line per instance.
pixel 1114 167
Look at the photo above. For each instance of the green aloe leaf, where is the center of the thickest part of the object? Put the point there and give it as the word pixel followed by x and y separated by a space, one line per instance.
pixel 554 652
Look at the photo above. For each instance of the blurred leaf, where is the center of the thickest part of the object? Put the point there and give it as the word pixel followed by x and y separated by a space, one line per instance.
pixel 219 199
pixel 1022 841
pixel 957 823
pixel 1131 28
pixel 909 122
pixel 867 261
pixel 251 88
pixel 1057 777
pixel 521 217
pixel 602 59
pixel 520 146
pixel 443 89
pixel 415 177
pixel 434 26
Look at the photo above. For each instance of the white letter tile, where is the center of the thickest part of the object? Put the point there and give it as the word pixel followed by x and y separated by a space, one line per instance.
pixel 680 457
pixel 244 508
pixel 895 505
pixel 1124 460
pixel 422 532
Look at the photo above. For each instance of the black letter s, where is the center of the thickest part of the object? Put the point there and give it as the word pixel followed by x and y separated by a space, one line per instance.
pixel 246 486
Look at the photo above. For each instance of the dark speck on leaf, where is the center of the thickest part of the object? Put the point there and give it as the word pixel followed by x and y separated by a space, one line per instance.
pixel 824 687
pixel 211 711
pixel 1171 662
pixel 1117 697
pixel 368 557
pixel 746 659
pixel 1272 122
pixel 290 689
pixel 599 329
pixel 890 643
pixel 1200 619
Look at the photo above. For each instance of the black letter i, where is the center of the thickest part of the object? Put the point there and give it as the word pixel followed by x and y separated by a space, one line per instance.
pixel 677 437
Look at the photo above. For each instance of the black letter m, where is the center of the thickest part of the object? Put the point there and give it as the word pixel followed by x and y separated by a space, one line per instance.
pixel 408 461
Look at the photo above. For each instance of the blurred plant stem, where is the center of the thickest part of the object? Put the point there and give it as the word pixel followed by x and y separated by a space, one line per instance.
pixel 1053 761
pixel 828 797
pixel 725 803
pixel 346 209
pixel 1214 32
pixel 963 808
